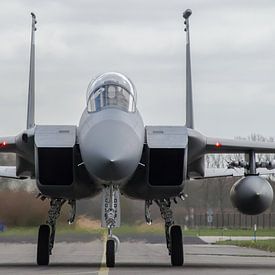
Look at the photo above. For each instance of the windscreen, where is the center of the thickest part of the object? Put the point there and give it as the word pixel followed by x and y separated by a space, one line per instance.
pixel 111 90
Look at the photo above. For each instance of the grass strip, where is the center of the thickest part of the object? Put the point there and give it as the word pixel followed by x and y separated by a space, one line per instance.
pixel 155 229
pixel 229 232
pixel 266 245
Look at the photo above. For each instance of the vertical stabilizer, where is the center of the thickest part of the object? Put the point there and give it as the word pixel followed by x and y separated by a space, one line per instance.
pixel 189 97
pixel 31 94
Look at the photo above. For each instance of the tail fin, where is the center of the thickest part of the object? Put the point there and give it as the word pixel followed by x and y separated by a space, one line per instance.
pixel 189 97
pixel 30 112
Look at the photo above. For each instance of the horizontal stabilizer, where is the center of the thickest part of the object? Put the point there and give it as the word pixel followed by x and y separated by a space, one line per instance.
pixel 9 172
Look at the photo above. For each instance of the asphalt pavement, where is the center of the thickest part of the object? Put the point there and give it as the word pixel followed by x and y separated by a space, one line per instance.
pixel 135 257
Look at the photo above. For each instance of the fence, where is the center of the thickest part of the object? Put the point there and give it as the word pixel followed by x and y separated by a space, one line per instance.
pixel 230 220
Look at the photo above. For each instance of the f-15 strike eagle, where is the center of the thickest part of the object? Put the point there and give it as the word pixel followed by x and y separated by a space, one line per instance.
pixel 112 152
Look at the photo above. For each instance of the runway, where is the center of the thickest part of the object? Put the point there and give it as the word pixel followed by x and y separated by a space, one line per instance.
pixel 135 258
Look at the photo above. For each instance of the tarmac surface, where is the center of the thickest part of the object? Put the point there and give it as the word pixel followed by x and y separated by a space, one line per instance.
pixel 138 256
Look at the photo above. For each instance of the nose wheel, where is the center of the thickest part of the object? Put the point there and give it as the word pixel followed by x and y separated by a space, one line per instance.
pixel 43 245
pixel 110 253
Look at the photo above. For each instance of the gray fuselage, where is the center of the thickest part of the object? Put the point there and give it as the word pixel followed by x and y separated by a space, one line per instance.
pixel 111 143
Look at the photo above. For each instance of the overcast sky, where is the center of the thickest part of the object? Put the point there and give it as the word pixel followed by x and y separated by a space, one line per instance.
pixel 233 60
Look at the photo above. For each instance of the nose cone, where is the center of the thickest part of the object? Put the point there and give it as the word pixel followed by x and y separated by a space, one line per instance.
pixel 111 150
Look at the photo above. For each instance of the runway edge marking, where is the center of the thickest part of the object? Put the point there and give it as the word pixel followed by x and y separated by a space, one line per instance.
pixel 104 270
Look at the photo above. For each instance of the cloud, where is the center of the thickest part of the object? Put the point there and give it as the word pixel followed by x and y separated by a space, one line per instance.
pixel 232 59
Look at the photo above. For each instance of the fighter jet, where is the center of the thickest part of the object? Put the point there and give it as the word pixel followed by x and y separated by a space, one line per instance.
pixel 111 151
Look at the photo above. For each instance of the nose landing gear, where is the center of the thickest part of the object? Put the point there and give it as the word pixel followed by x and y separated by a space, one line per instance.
pixel 110 219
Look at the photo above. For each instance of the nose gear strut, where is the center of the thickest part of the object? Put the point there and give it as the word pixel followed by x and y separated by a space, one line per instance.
pixel 110 218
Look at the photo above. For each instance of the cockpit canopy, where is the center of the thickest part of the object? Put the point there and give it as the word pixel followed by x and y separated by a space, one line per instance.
pixel 111 90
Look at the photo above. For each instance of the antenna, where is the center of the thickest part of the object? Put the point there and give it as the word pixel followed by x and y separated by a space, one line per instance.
pixel 31 91
pixel 189 96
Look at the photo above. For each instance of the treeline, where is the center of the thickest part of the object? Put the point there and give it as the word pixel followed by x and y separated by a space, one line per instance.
pixel 19 206
pixel 22 208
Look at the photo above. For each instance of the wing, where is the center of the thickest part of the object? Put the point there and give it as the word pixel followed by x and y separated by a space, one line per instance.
pixel 199 145
pixel 9 172
pixel 231 146
pixel 7 144
pixel 15 144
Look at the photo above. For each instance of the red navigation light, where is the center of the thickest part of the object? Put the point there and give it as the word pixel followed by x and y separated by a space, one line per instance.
pixel 218 144
pixel 2 144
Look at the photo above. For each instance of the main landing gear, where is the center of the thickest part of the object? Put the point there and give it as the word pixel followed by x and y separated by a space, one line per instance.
pixel 173 233
pixel 43 245
pixel 46 233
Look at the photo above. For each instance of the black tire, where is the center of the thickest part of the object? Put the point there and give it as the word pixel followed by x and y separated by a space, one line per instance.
pixel 110 253
pixel 43 255
pixel 176 245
